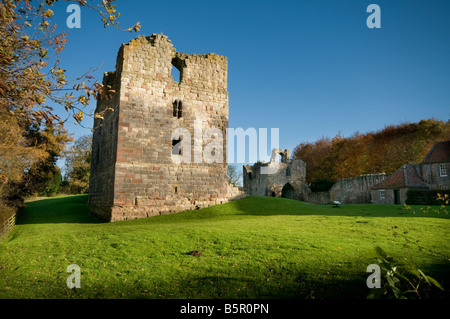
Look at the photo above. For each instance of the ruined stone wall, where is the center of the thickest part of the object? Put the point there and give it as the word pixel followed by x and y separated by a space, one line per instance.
pixel 147 181
pixel 234 193
pixel 255 182
pixel 355 190
pixel 268 179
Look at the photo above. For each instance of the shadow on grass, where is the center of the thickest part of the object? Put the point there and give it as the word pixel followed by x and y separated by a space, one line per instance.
pixel 67 209
pixel 74 209
pixel 269 206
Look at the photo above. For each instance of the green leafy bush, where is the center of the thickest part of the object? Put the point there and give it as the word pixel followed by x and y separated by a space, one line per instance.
pixel 403 279
pixel 53 185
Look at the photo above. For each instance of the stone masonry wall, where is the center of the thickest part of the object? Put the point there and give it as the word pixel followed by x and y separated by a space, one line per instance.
pixel 104 146
pixel 431 174
pixel 146 180
pixel 355 190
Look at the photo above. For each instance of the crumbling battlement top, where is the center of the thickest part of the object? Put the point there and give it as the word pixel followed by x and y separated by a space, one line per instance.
pixel 147 59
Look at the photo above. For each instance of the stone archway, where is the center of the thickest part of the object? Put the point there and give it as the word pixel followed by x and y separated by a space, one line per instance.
pixel 288 191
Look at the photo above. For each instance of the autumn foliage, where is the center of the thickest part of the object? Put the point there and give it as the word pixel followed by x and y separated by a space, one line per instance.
pixel 32 84
pixel 370 153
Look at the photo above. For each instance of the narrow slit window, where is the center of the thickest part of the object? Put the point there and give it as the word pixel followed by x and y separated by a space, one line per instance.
pixel 177 109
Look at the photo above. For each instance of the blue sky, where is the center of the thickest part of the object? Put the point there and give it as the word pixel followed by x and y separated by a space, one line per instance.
pixel 310 68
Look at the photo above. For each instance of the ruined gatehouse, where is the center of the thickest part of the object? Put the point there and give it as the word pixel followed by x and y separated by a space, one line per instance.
pixel 280 177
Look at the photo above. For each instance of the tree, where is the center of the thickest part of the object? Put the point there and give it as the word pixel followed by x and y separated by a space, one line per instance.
pixel 78 165
pixel 318 158
pixel 373 152
pixel 31 74
pixel 31 77
pixel 44 177
pixel 234 175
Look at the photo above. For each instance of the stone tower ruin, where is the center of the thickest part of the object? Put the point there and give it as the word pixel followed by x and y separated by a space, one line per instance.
pixel 133 171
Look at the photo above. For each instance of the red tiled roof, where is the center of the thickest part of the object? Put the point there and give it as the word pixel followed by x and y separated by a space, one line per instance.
pixel 439 153
pixel 398 180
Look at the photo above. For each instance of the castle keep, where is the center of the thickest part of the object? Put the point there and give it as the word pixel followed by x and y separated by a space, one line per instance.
pixel 136 168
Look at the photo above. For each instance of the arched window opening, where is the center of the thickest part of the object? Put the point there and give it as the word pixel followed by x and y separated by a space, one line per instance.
pixel 176 147
pixel 177 69
pixel 176 74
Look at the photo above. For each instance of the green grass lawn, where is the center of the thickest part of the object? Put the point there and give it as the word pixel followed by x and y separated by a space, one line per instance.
pixel 257 247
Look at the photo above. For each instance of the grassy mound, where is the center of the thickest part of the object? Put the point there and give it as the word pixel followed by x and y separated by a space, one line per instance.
pixel 257 247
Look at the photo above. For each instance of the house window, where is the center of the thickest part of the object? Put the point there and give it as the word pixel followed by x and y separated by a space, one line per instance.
pixel 443 170
pixel 176 147
pixel 382 194
pixel 177 109
pixel 444 188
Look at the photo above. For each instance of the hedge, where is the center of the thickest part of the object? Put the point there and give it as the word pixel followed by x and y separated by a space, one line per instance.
pixel 424 197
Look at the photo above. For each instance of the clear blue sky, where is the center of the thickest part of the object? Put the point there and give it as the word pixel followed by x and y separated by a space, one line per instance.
pixel 311 68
